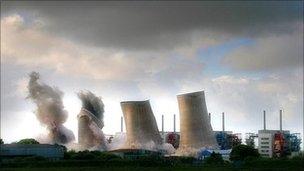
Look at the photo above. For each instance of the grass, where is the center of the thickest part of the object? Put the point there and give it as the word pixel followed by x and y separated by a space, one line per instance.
pixel 140 168
pixel 117 169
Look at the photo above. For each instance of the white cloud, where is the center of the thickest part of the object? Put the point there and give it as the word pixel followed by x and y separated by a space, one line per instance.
pixel 245 98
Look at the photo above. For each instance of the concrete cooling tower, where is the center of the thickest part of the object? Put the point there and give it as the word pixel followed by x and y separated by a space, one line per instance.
pixel 142 130
pixel 89 131
pixel 195 128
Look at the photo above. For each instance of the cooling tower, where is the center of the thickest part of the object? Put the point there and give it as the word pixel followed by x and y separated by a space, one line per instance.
pixel 195 128
pixel 140 124
pixel 89 129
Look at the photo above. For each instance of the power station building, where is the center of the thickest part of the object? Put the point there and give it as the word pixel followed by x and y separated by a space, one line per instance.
pixel 141 125
pixel 196 134
pixel 89 130
pixel 271 142
pixel 23 150
pixel 195 128
pixel 277 143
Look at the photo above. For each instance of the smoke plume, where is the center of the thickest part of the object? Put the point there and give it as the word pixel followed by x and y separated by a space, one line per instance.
pixel 93 104
pixel 50 110
pixel 119 141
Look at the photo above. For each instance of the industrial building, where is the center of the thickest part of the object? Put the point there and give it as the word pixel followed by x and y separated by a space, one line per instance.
pixel 23 150
pixel 277 143
pixel 172 138
pixel 251 139
pixel 85 136
pixel 196 134
pixel 195 128
pixel 140 123
pixel 225 139
pixel 270 143
pixel 88 137
pixel 143 137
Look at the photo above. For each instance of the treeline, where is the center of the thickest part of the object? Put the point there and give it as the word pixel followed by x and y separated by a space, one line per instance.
pixel 104 159
pixel 96 159
pixel 295 163
pixel 241 157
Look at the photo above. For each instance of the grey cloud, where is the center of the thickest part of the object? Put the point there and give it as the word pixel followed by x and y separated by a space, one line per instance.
pixel 270 53
pixel 159 25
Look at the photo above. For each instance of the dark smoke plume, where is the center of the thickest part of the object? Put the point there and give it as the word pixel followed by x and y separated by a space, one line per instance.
pixel 50 110
pixel 93 104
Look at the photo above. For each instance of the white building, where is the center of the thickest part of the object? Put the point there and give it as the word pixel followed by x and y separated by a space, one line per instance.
pixel 266 142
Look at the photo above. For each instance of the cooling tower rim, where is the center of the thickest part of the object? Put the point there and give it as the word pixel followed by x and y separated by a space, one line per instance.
pixel 135 102
pixel 91 116
pixel 196 93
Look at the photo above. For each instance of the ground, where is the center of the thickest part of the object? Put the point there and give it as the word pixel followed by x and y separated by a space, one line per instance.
pixel 130 168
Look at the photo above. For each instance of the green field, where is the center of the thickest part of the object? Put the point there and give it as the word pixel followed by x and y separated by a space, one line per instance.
pixel 95 160
pixel 116 169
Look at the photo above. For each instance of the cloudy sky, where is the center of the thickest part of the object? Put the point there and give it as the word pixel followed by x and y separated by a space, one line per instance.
pixel 246 56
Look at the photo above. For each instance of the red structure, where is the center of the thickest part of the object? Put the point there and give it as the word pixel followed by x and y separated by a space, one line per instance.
pixel 278 144
pixel 173 138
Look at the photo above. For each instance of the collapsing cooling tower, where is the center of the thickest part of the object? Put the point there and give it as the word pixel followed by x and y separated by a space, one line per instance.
pixel 140 124
pixel 90 123
pixel 195 128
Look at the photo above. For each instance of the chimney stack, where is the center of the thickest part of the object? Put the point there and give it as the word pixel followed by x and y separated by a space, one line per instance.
pixel 163 126
pixel 210 118
pixel 174 123
pixel 264 116
pixel 280 120
pixel 223 121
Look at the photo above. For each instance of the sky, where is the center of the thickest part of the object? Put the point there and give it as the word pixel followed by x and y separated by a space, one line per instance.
pixel 246 56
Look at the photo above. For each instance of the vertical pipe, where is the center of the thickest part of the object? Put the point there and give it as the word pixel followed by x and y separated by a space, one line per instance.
pixel 121 124
pixel 210 118
pixel 223 121
pixel 280 120
pixel 174 123
pixel 163 126
pixel 264 119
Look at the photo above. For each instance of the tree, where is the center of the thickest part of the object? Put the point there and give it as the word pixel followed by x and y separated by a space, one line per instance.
pixel 28 141
pixel 240 152
pixel 1 141
pixel 214 159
